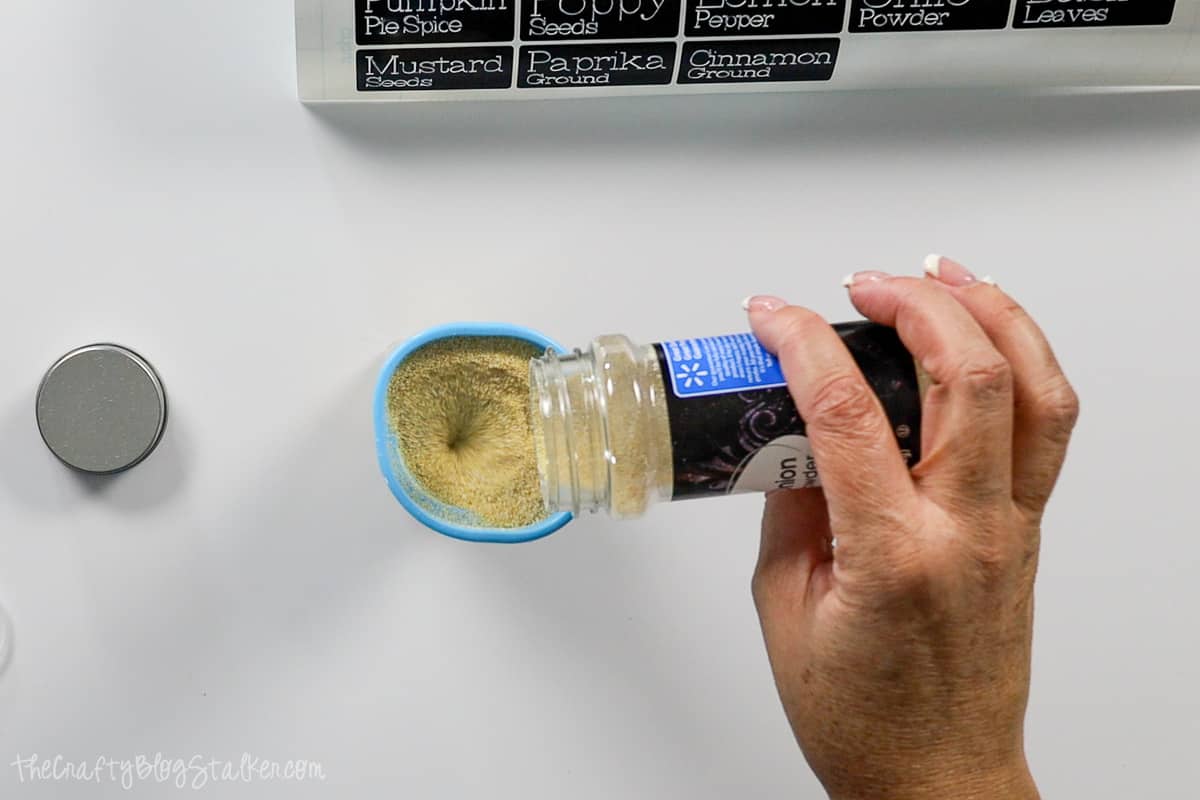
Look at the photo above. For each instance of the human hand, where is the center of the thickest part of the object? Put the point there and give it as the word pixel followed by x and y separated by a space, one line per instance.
pixel 902 653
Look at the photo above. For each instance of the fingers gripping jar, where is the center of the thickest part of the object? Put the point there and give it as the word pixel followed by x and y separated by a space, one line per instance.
pixel 621 426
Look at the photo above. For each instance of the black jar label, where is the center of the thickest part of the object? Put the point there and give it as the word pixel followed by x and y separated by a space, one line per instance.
pixel 543 20
pixel 891 16
pixel 763 17
pixel 617 64
pixel 433 21
pixel 435 68
pixel 758 60
pixel 734 427
pixel 1091 13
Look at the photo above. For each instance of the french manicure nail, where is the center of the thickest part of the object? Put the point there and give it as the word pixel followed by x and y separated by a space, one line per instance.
pixel 763 302
pixel 933 264
pixel 948 271
pixel 863 276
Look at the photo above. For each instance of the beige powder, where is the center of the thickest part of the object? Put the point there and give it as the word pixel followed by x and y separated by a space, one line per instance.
pixel 460 411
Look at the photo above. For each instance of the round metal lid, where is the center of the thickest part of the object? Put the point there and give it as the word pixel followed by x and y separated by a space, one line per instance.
pixel 101 409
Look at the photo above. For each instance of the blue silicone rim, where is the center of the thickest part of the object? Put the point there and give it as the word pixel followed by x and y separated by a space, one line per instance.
pixel 388 451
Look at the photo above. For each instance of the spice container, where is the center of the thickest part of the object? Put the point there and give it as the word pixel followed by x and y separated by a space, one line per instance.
pixel 453 435
pixel 620 426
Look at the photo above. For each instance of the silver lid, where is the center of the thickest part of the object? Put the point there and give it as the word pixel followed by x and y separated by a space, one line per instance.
pixel 101 409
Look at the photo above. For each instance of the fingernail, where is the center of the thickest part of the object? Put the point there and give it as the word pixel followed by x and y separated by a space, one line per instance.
pixel 763 302
pixel 989 280
pixel 933 264
pixel 948 271
pixel 864 276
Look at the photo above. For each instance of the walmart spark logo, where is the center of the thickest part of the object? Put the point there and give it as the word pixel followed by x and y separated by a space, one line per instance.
pixel 691 375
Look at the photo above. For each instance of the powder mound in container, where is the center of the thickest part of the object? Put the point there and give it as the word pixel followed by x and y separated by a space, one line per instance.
pixel 460 411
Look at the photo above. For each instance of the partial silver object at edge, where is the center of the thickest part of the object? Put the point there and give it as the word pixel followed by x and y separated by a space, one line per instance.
pixel 6 639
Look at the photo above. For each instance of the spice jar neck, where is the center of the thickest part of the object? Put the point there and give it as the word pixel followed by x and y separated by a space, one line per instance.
pixel 568 432
pixel 600 428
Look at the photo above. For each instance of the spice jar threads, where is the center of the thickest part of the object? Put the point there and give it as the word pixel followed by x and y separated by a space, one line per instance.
pixel 601 428
pixel 621 426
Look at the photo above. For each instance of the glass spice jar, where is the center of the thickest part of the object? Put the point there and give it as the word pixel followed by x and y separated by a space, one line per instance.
pixel 620 426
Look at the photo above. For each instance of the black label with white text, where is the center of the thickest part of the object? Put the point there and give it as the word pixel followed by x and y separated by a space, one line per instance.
pixel 1091 13
pixel 734 425
pixel 617 64
pixel 763 17
pixel 870 16
pixel 599 19
pixel 433 21
pixel 758 60
pixel 435 68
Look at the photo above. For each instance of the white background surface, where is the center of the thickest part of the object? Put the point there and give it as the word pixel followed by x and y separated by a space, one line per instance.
pixel 253 587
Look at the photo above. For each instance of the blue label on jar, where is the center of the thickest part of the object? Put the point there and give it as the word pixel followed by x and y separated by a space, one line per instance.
pixel 747 434
pixel 720 365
